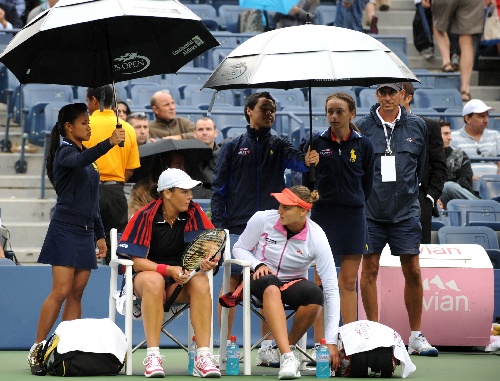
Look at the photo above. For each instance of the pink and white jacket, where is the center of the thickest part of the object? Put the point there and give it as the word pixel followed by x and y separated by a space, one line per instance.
pixel 265 241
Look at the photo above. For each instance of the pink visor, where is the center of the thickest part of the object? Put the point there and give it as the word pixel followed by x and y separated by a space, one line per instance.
pixel 287 197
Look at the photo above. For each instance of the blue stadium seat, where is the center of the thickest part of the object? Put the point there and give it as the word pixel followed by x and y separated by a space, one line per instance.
pixel 228 17
pixel 226 39
pixel 439 99
pixel 454 116
pixel 140 94
pixel 193 96
pixel 121 93
pixel 206 13
pixel 426 112
pixel 319 94
pixel 319 122
pixel 41 119
pixel 489 186
pixel 325 14
pixel 217 55
pixel 291 97
pixel 228 116
pixel 479 235
pixel 188 76
pixel 474 213
pixel 8 82
pixel 397 44
pixel 189 112
pixel 367 97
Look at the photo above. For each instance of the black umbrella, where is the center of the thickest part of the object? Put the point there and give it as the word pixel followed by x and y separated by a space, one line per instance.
pixel 95 42
pixel 155 157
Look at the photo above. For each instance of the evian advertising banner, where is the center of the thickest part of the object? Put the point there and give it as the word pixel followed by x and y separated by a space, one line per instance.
pixel 457 300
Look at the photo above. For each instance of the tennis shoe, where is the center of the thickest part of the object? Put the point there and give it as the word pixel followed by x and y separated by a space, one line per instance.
pixel 268 356
pixel 312 352
pixel 204 366
pixel 35 360
pixel 154 368
pixel 420 346
pixel 289 369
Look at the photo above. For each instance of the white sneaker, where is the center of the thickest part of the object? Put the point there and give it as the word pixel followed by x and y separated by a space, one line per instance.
pixel 428 53
pixel 420 346
pixel 289 369
pixel 204 366
pixel 154 366
pixel 269 356
pixel 312 352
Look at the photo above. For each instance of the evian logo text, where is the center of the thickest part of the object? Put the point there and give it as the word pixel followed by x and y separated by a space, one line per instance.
pixel 189 46
pixel 130 63
pixel 441 301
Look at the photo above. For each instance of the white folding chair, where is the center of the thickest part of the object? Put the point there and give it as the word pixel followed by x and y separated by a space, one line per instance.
pixel 175 312
pixel 248 307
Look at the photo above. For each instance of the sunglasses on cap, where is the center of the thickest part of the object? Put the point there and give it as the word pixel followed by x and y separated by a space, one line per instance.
pixel 138 115
pixel 385 91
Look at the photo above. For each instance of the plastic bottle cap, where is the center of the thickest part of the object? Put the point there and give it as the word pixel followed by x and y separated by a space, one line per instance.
pixel 233 338
pixel 194 338
pixel 322 341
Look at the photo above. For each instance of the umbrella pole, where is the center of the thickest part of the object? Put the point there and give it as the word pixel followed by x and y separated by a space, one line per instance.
pixel 312 169
pixel 118 124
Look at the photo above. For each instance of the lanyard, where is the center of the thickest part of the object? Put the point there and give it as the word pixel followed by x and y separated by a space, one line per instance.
pixel 388 150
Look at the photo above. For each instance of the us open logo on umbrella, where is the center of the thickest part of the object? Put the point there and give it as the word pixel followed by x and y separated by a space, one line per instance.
pixel 130 63
pixel 235 71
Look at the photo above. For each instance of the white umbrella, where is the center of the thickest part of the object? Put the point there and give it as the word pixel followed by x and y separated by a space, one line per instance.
pixel 309 56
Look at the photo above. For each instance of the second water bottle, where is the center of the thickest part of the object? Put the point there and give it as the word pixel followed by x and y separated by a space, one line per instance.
pixel 191 356
pixel 233 358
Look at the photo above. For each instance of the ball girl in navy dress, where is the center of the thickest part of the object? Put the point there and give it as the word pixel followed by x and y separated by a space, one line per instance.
pixel 75 227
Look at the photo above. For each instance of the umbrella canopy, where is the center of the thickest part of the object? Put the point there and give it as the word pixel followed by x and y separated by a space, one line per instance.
pixel 281 6
pixel 155 156
pixel 96 42
pixel 309 56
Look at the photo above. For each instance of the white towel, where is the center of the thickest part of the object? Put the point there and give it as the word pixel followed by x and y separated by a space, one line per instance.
pixel 92 335
pixel 365 335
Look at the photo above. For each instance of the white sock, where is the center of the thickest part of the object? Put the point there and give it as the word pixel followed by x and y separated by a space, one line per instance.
pixel 414 334
pixel 288 354
pixel 266 344
pixel 202 351
pixel 33 347
pixel 153 350
pixel 317 344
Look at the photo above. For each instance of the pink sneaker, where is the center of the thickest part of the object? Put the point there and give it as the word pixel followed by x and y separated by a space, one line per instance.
pixel 204 366
pixel 154 366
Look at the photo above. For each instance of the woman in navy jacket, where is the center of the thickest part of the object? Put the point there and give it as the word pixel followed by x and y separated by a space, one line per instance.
pixel 344 179
pixel 70 243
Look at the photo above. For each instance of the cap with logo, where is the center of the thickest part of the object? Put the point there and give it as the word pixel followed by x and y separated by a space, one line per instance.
pixel 176 178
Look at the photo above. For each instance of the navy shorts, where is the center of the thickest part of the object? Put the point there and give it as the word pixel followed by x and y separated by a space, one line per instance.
pixel 403 237
pixel 235 269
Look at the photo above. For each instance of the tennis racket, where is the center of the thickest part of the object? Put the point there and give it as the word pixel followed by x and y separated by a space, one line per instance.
pixel 208 244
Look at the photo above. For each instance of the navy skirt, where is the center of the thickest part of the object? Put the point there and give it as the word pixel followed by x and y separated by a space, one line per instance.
pixel 69 245
pixel 345 228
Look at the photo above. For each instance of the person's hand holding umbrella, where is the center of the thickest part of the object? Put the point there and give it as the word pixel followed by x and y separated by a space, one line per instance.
pixel 117 137
pixel 312 157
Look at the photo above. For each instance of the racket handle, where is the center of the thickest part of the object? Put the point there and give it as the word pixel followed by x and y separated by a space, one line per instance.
pixel 121 144
pixel 170 301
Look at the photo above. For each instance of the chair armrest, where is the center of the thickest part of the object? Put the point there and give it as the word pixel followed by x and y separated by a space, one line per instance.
pixel 121 261
pixel 240 262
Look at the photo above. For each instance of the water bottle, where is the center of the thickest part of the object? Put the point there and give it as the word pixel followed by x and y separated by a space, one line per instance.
pixel 191 356
pixel 233 358
pixel 322 360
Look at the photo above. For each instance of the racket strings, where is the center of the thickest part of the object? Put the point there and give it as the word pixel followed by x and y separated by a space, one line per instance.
pixel 204 247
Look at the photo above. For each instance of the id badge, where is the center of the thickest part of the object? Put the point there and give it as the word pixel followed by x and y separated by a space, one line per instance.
pixel 388 168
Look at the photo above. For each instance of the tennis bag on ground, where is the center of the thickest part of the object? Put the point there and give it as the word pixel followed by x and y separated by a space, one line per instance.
pixel 84 347
pixel 368 348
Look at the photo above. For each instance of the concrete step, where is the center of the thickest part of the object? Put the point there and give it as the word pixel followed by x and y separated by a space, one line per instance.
pixel 400 5
pixel 26 209
pixel 33 162
pixel 26 234
pixel 25 186
pixel 27 255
